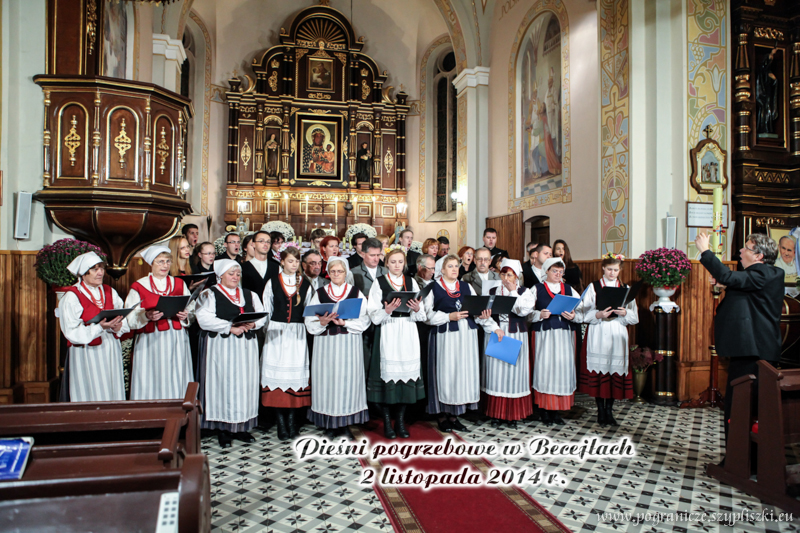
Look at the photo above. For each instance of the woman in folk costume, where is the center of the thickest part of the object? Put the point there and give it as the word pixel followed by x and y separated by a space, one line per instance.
pixel 394 372
pixel 228 356
pixel 453 355
pixel 284 359
pixel 604 371
pixel 554 367
pixel 93 372
pixel 506 387
pixel 162 356
pixel 339 397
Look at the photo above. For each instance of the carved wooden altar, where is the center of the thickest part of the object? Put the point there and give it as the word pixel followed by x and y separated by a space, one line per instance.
pixel 296 130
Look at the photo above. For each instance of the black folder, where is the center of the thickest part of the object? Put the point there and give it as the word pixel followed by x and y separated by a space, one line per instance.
pixel 248 317
pixel 616 297
pixel 110 314
pixel 404 296
pixel 500 305
pixel 171 305
pixel 188 279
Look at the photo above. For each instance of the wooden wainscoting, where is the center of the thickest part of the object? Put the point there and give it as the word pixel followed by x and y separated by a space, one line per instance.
pixel 28 365
pixel 695 323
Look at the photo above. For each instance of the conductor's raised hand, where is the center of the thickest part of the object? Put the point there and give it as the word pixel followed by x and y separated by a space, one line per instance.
pixel 392 306
pixel 413 305
pixel 701 241
pixel 153 315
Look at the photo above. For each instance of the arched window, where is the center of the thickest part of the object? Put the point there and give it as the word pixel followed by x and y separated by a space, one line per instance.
pixel 445 128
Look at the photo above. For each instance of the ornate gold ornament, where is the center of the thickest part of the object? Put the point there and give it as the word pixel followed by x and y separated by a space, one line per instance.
pixel 294 110
pixel 162 149
pixel 364 72
pixel 122 143
pixel 246 153
pixel 364 89
pixel 321 31
pixel 319 96
pixel 342 57
pixel 344 146
pixel 388 160
pixel 320 111
pixel 320 183
pixel 292 146
pixel 275 63
pixel 273 81
pixel 72 141
pixel 91 24
pixel 768 33
pixel 292 182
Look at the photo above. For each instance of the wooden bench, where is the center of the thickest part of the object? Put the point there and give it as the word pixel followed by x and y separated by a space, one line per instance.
pixel 108 502
pixel 776 481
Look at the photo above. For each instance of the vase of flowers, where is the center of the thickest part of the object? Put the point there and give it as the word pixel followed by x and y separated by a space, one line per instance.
pixel 665 269
pixel 52 260
pixel 641 359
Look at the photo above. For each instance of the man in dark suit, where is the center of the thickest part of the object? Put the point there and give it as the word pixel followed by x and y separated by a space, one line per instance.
pixel 490 240
pixel 363 276
pixel 532 272
pixel 356 259
pixel 232 246
pixel 406 239
pixel 747 325
pixel 259 270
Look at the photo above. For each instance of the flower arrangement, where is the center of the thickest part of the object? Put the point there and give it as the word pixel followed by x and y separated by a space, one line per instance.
pixel 276 225
pixel 642 358
pixel 366 229
pixel 394 247
pixel 52 260
pixel 288 244
pixel 416 246
pixel 612 255
pixel 664 267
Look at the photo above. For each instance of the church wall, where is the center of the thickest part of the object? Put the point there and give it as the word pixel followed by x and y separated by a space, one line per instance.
pixel 396 35
pixel 577 218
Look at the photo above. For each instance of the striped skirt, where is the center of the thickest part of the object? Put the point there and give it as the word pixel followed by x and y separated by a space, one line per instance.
pixel 339 394
pixel 229 385
pixel 454 379
pixel 554 370
pixel 504 379
pixel 162 365
pixel 95 372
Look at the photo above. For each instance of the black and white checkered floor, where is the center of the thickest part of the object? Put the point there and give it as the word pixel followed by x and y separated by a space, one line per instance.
pixel 263 487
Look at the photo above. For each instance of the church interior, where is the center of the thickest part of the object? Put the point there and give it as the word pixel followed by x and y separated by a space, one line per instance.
pixel 125 123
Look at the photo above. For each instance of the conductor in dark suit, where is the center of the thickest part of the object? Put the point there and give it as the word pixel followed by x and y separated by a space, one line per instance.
pixel 747 325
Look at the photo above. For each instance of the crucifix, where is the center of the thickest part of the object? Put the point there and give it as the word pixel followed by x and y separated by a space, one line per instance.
pixel 708 130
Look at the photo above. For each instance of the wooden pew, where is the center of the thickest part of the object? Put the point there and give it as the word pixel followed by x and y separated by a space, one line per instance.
pixel 168 421
pixel 108 502
pixel 776 482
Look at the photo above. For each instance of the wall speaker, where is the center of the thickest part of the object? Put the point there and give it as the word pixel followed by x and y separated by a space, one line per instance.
pixel 671 228
pixel 22 218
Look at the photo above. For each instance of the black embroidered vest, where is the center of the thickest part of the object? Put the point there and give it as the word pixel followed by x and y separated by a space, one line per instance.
pixel 227 310
pixel 282 309
pixel 332 328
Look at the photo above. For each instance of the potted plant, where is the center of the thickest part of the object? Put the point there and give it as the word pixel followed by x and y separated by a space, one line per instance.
pixel 641 358
pixel 52 260
pixel 665 269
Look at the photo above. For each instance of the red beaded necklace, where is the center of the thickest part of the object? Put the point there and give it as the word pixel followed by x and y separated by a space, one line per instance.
pixel 397 287
pixel 101 303
pixel 456 293
pixel 156 291
pixel 329 290
pixel 561 291
pixel 603 282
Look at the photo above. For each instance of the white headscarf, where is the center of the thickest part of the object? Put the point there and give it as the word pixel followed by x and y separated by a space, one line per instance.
pixel 81 264
pixel 340 259
pixel 552 261
pixel 150 254
pixel 223 265
pixel 514 265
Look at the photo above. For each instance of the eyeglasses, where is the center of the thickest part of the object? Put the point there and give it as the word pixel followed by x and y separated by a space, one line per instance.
pixel 162 262
pixel 337 272
pixel 751 250
pixel 483 259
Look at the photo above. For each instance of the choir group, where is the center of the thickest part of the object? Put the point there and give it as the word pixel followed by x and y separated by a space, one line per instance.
pixel 396 355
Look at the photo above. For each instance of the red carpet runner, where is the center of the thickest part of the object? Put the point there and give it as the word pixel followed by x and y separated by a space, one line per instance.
pixel 458 509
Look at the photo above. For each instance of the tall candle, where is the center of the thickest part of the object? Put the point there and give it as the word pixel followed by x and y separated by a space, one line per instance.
pixel 336 212
pixel 286 205
pixel 306 226
pixel 716 236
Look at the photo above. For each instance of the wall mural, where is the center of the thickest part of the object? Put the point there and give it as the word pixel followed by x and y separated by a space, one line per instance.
pixel 115 39
pixel 614 125
pixel 539 131
pixel 707 90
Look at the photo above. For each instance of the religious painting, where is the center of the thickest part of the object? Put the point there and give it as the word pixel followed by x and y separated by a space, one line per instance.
pixel 539 104
pixel 320 74
pixel 709 169
pixel 787 250
pixel 115 39
pixel 318 152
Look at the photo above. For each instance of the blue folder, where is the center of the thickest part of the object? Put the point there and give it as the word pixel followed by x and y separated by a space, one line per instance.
pixel 348 309
pixel 318 310
pixel 506 350
pixel 14 456
pixel 563 303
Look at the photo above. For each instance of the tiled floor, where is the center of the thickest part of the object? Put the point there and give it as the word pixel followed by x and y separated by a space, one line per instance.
pixel 262 487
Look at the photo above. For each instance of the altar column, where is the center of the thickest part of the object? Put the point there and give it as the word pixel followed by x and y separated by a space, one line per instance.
pixel 472 89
